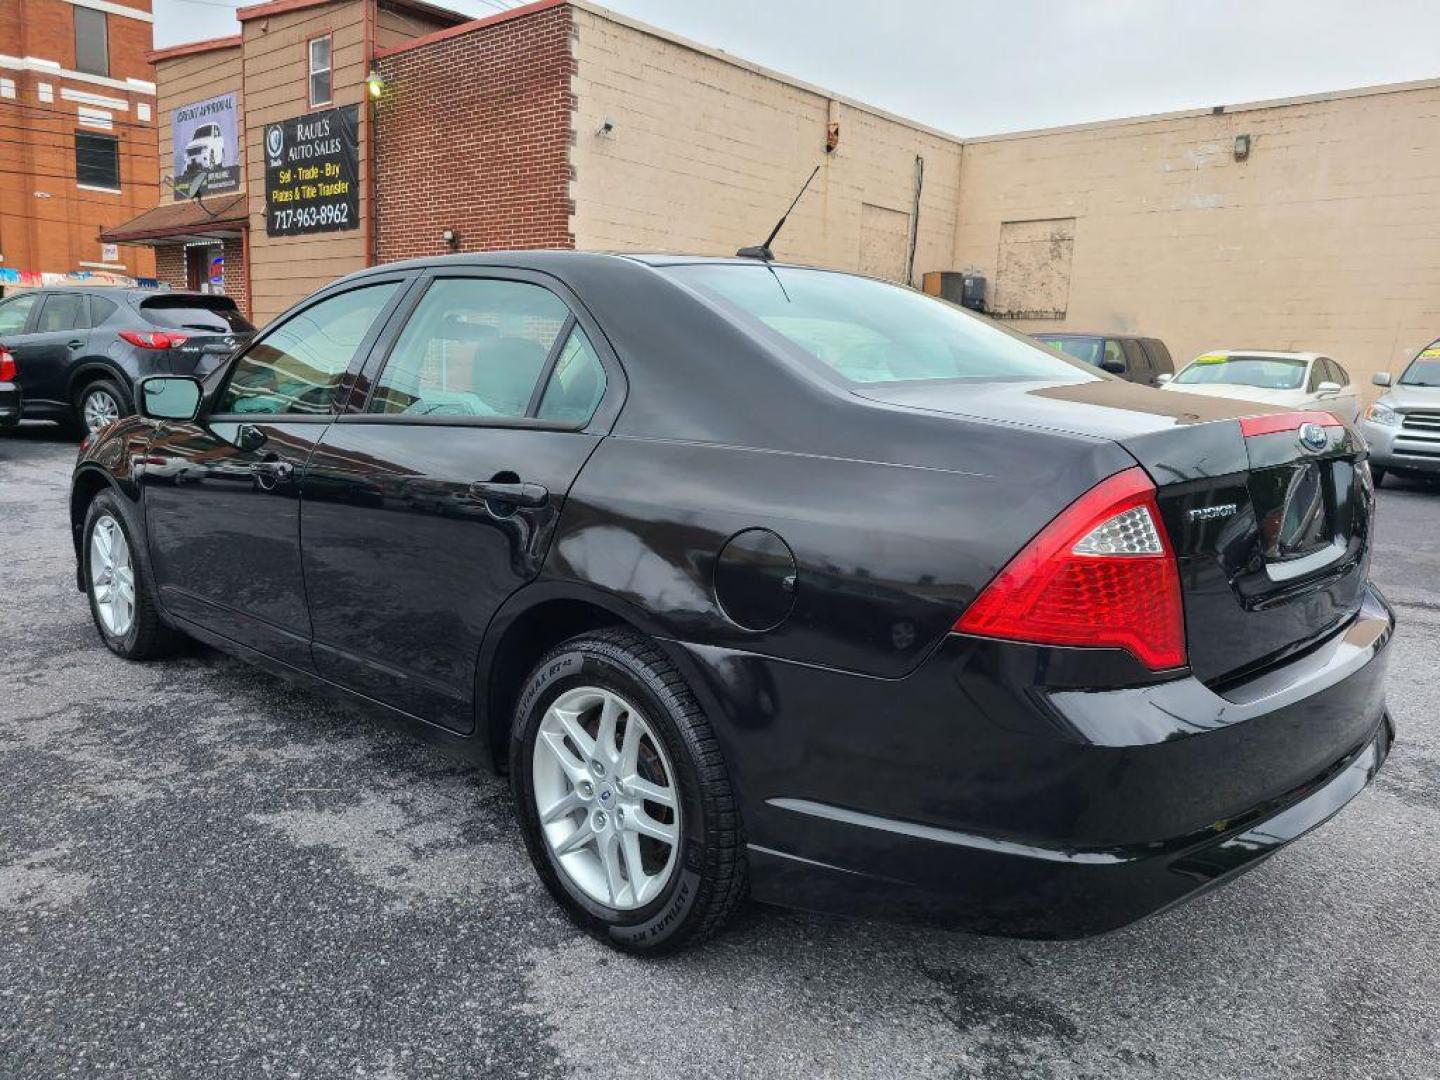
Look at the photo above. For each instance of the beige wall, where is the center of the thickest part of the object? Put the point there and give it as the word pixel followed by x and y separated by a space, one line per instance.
pixel 707 151
pixel 185 80
pixel 1325 238
pixel 283 269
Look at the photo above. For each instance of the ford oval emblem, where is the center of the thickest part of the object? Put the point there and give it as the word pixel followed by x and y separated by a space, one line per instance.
pixel 1313 437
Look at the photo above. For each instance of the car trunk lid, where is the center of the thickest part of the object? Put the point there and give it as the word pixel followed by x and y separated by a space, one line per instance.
pixel 1272 534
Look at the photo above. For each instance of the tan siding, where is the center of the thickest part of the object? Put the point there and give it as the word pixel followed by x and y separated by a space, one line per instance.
pixel 707 152
pixel 396 27
pixel 285 269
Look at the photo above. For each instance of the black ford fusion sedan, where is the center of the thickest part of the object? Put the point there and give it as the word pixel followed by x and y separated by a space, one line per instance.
pixel 768 580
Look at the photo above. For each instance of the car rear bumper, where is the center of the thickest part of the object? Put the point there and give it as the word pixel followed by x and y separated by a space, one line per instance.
pixel 1399 448
pixel 9 404
pixel 951 796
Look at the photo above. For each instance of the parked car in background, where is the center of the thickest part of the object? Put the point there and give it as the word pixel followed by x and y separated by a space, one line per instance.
pixel 9 391
pixel 1403 426
pixel 1135 359
pixel 916 617
pixel 77 352
pixel 1290 380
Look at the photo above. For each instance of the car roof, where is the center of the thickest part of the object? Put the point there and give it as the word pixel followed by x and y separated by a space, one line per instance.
pixel 1093 334
pixel 132 291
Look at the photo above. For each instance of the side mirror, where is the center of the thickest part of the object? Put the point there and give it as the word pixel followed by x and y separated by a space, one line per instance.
pixel 1114 367
pixel 1328 389
pixel 1163 378
pixel 170 397
pixel 1381 378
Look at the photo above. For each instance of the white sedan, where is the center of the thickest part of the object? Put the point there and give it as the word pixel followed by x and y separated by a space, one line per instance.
pixel 1291 380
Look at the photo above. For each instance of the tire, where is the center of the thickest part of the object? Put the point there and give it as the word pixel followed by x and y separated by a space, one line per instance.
pixel 1377 474
pixel 703 879
pixel 96 391
pixel 143 635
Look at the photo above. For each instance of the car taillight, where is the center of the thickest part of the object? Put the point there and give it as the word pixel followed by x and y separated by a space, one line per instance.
pixel 1103 574
pixel 1272 423
pixel 154 339
pixel 7 365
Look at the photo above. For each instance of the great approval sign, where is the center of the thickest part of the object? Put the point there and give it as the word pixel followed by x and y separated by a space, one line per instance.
pixel 312 173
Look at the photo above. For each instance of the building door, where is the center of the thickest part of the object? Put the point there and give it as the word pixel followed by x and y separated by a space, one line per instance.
pixel 204 268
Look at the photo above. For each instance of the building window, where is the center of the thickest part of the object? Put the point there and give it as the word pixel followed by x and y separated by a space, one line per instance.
pixel 97 161
pixel 320 71
pixel 92 41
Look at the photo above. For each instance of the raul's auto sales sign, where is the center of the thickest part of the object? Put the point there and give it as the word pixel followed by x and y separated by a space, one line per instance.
pixel 312 173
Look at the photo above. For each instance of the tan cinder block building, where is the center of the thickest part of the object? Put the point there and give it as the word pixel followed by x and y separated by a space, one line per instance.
pixel 1319 229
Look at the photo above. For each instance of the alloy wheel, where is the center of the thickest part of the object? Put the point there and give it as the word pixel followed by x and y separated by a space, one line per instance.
pixel 607 798
pixel 112 576
pixel 100 408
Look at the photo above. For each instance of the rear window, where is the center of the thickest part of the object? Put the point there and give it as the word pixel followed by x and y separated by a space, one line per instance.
pixel 1264 372
pixel 217 314
pixel 867 331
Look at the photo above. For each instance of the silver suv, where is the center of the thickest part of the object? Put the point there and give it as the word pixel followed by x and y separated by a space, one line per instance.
pixel 1403 427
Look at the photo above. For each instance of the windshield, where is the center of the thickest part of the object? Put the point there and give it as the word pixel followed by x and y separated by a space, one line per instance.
pixel 867 331
pixel 1265 372
pixel 1088 349
pixel 215 314
pixel 1424 370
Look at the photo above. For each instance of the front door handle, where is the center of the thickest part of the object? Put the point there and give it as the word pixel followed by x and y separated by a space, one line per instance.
pixel 76 343
pixel 516 494
pixel 280 471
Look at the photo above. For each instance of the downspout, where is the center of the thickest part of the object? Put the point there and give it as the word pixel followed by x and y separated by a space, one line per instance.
pixel 370 16
pixel 914 221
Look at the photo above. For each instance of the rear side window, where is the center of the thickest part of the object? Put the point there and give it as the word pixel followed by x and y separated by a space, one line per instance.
pixel 14 314
pixel 576 385
pixel 867 331
pixel 101 309
pixel 217 315
pixel 1135 355
pixel 296 368
pixel 473 347
pixel 1159 356
pixel 1115 354
pixel 62 311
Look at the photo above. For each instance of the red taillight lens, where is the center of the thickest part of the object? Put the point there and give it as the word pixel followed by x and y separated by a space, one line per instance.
pixel 154 339
pixel 1103 574
pixel 7 365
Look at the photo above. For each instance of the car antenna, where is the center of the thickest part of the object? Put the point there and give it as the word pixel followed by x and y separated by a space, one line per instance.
pixel 763 252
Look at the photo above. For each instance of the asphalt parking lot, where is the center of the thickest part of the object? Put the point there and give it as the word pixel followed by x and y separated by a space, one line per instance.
pixel 207 872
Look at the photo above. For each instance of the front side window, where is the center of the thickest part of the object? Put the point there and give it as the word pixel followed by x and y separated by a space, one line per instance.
pixel 92 41
pixel 62 311
pixel 1115 354
pixel 1230 369
pixel 473 347
pixel 97 159
pixel 296 368
pixel 15 313
pixel 320 71
pixel 867 331
pixel 1087 349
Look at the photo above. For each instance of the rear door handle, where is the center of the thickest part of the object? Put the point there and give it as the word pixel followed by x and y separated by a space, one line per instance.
pixel 517 494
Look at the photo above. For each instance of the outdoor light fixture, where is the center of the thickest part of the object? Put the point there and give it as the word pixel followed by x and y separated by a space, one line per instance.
pixel 375 83
pixel 451 238
pixel 606 128
pixel 1242 147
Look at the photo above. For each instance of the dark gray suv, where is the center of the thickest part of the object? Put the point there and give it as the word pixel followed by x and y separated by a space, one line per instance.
pixel 77 353
pixel 1135 359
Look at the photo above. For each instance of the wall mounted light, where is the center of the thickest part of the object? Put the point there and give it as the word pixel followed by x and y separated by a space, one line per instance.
pixel 606 128
pixel 451 238
pixel 375 83
pixel 1242 147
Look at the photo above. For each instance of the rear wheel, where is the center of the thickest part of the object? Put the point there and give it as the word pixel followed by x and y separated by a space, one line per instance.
pixel 121 600
pixel 99 404
pixel 623 796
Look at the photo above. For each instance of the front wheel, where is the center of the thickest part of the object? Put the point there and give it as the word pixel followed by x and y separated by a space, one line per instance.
pixel 623 797
pixel 121 601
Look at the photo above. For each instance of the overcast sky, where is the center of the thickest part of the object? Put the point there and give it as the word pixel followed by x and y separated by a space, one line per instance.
pixel 975 67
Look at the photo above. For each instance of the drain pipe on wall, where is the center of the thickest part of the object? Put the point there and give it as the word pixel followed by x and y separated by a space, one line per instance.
pixel 914 221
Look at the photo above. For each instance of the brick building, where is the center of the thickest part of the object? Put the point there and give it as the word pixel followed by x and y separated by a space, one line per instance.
pixel 77 128
pixel 1304 223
